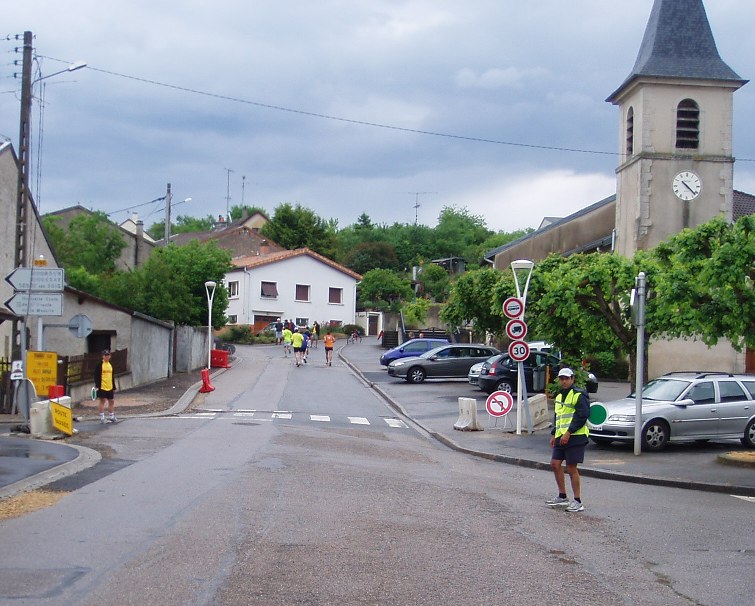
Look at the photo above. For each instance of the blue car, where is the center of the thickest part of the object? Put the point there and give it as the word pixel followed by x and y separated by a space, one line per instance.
pixel 412 347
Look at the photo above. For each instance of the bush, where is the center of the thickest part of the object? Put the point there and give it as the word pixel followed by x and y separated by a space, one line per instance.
pixel 605 365
pixel 348 329
pixel 242 334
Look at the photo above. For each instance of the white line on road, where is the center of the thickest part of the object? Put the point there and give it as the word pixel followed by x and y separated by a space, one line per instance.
pixel 358 420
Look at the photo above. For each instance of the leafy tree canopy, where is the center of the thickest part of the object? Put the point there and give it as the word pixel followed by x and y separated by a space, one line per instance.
pixel 383 289
pixel 92 242
pixel 298 227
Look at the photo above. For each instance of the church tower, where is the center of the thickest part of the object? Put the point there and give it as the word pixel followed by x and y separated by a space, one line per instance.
pixel 676 163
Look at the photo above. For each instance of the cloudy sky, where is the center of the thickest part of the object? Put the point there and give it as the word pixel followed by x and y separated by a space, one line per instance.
pixel 341 106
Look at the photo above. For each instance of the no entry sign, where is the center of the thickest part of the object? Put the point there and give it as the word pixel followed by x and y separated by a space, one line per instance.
pixel 499 403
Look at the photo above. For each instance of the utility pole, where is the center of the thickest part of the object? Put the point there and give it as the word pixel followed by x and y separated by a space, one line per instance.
pixel 166 236
pixel 22 199
pixel 417 194
pixel 243 181
pixel 228 196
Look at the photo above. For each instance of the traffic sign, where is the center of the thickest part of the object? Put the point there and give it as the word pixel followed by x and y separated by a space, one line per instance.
pixel 513 307
pixel 80 326
pixel 27 303
pixel 499 403
pixel 516 330
pixel 37 278
pixel 519 351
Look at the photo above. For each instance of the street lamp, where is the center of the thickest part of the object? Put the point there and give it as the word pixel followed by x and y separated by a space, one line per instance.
pixel 209 287
pixel 519 267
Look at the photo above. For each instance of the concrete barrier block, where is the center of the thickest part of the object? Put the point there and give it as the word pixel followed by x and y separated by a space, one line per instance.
pixel 539 414
pixel 468 416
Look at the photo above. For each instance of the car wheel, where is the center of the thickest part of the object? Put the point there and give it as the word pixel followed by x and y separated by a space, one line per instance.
pixel 504 386
pixel 415 375
pixel 601 442
pixel 655 435
pixel 749 438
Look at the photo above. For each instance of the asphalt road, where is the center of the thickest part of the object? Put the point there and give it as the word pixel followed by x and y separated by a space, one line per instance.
pixel 345 502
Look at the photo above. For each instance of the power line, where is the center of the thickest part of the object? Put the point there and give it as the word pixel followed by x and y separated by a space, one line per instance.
pixel 353 121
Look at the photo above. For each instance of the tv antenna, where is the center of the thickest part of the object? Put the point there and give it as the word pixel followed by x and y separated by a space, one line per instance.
pixel 417 194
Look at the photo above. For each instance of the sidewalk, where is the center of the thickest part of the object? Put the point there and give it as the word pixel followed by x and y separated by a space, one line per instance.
pixel 682 466
pixel 27 463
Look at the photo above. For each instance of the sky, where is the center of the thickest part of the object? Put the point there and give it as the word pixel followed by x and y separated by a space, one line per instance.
pixel 393 108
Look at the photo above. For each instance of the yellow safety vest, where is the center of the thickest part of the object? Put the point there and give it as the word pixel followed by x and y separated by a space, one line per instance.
pixel 565 413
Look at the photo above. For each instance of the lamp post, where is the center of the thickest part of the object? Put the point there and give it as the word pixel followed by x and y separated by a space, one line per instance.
pixel 520 267
pixel 209 287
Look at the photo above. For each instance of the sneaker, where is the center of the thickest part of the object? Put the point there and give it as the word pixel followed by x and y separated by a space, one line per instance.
pixel 102 420
pixel 112 419
pixel 557 502
pixel 575 506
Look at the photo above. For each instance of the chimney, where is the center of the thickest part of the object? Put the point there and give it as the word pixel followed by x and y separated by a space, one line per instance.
pixel 264 248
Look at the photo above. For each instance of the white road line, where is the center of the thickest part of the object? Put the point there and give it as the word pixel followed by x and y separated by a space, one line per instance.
pixel 244 414
pixel 281 414
pixel 396 423
pixel 358 420
pixel 205 415
pixel 322 418
pixel 750 499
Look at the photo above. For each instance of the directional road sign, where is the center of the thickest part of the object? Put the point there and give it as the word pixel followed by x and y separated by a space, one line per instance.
pixel 36 303
pixel 499 403
pixel 513 307
pixel 37 278
pixel 519 351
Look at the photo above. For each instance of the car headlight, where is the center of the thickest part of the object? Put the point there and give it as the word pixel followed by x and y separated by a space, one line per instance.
pixel 397 363
pixel 622 418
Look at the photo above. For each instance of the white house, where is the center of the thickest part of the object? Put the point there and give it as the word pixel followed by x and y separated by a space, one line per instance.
pixel 298 285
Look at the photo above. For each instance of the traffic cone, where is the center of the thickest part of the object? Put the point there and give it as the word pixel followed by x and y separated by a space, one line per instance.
pixel 206 385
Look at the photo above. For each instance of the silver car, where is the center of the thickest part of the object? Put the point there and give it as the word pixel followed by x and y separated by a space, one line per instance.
pixel 474 373
pixel 682 407
pixel 446 362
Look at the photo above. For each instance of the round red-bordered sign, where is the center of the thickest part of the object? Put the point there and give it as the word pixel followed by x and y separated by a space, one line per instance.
pixel 499 403
pixel 516 330
pixel 519 351
pixel 513 307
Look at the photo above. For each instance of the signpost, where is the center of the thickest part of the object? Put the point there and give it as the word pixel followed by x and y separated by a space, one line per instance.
pixel 513 307
pixel 37 278
pixel 42 369
pixel 519 351
pixel 516 330
pixel 499 403
pixel 27 303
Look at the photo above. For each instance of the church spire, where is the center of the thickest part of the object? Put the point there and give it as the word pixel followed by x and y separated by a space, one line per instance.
pixel 678 43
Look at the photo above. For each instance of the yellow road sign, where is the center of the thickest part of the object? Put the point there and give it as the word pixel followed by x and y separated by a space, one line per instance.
pixel 62 417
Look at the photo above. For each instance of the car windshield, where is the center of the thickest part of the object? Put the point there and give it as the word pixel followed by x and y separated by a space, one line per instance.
pixel 432 352
pixel 663 389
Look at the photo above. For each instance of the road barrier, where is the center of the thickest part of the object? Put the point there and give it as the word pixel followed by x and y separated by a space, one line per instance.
pixel 468 416
pixel 541 417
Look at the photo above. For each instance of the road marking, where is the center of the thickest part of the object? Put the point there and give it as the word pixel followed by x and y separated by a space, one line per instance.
pixel 321 418
pixel 244 414
pixel 201 415
pixel 281 414
pixel 396 423
pixel 749 499
pixel 358 420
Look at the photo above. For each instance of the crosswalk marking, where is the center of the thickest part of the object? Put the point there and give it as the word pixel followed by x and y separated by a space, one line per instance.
pixel 270 416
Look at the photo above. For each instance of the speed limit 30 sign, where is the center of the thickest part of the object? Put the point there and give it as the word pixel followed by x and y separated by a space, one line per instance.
pixel 519 351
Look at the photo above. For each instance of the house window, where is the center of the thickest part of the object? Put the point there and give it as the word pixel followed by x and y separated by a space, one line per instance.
pixel 269 289
pixel 335 296
pixel 302 322
pixel 233 290
pixel 687 125
pixel 233 319
pixel 630 132
pixel 302 292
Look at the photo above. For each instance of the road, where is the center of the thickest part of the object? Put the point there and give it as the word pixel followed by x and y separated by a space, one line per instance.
pixel 299 486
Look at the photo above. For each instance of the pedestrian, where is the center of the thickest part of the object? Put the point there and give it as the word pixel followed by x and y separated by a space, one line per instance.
pixel 286 341
pixel 568 440
pixel 278 332
pixel 329 340
pixel 315 334
pixel 305 346
pixel 104 382
pixel 297 340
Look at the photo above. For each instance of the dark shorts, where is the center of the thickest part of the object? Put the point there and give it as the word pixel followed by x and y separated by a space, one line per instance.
pixel 106 395
pixel 328 349
pixel 298 349
pixel 571 453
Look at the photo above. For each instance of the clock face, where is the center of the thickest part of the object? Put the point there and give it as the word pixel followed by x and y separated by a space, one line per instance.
pixel 687 185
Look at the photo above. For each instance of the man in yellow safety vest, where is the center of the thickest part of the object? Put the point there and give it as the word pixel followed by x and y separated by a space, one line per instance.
pixel 568 440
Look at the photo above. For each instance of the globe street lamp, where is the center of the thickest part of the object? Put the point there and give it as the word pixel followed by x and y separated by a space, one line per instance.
pixel 519 267
pixel 209 287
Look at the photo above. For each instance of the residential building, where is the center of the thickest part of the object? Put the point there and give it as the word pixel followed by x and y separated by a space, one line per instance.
pixel 300 285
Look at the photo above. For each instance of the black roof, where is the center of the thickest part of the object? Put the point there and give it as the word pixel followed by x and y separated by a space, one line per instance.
pixel 679 43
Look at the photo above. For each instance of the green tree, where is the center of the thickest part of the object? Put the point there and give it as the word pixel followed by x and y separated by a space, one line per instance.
pixel 184 225
pixel 91 241
pixel 435 282
pixel 299 227
pixel 706 286
pixel 475 299
pixel 371 255
pixel 384 289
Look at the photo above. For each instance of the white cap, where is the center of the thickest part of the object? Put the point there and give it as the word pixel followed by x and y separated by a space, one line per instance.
pixel 566 372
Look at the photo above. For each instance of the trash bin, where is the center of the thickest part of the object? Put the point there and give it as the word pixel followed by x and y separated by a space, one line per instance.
pixel 219 358
pixel 538 378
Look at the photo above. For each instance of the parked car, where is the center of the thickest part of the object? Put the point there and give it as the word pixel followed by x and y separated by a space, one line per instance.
pixel 450 361
pixel 681 407
pixel 269 329
pixel 474 372
pixel 411 348
pixel 500 374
